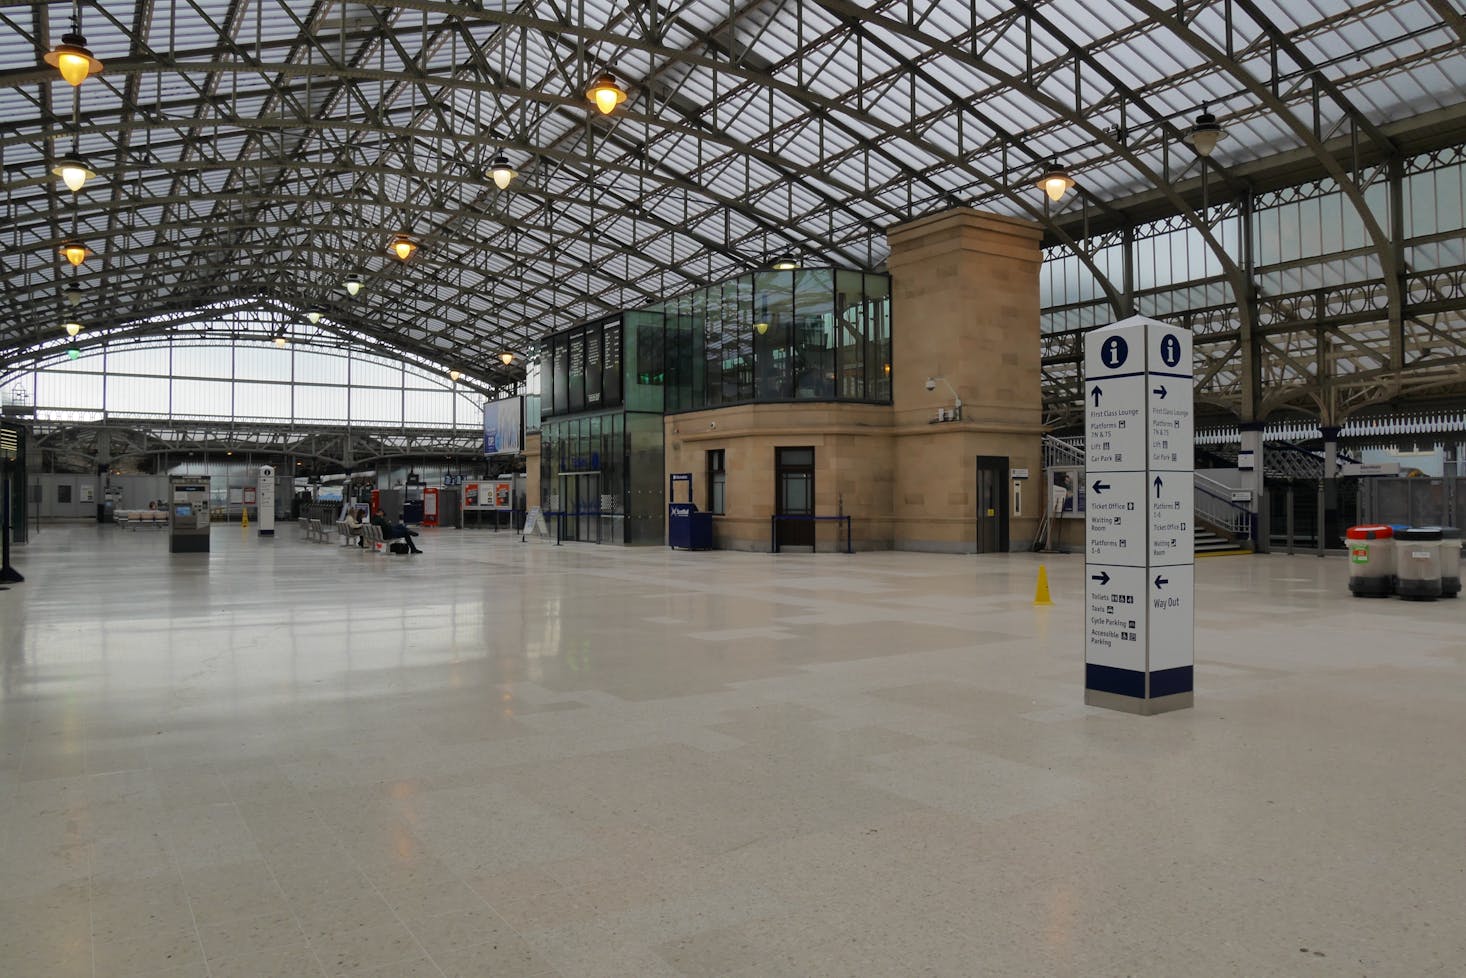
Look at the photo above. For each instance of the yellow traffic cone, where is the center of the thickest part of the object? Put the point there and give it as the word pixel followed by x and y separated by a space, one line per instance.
pixel 1041 592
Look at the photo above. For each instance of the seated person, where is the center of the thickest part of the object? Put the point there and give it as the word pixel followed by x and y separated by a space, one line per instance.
pixel 394 531
pixel 353 523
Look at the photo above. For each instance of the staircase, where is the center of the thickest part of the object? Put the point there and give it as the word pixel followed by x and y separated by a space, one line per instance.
pixel 1207 543
pixel 1221 525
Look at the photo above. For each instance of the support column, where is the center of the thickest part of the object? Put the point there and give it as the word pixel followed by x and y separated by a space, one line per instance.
pixel 1328 518
pixel 1254 480
pixel 966 311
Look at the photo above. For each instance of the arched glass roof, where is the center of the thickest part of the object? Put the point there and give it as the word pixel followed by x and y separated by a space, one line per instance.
pixel 263 151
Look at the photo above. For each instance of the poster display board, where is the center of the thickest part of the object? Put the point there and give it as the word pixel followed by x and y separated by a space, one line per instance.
pixel 1139 513
pixel 491 494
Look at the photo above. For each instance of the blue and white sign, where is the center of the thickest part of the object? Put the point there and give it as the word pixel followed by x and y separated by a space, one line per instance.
pixel 1140 518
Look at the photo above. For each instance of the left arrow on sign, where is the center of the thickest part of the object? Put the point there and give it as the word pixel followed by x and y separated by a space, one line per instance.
pixel 1100 487
pixel 1161 582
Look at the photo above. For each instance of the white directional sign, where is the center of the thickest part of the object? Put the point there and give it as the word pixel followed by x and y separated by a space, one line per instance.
pixel 1115 519
pixel 1140 515
pixel 1171 616
pixel 1115 611
pixel 1171 502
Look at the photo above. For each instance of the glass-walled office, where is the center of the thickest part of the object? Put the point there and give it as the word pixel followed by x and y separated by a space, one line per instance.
pixel 804 334
pixel 809 334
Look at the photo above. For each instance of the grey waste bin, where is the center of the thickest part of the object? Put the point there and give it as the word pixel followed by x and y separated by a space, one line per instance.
pixel 1450 561
pixel 1418 563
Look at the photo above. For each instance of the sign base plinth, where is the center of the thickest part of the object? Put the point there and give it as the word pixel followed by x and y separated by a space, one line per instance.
pixel 1137 705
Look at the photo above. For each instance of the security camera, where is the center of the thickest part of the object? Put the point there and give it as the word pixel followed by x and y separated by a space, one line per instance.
pixel 931 384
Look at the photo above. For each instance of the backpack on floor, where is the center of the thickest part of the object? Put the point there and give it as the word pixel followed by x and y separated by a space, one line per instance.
pixel 398 547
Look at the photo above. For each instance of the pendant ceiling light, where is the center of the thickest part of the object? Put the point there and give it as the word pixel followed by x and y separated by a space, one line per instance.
pixel 1205 133
pixel 74 170
pixel 1055 182
pixel 279 341
pixel 785 263
pixel 402 246
pixel 72 57
pixel 72 354
pixel 352 285
pixel 72 328
pixel 506 358
pixel 314 314
pixel 74 252
pixel 72 294
pixel 501 172
pixel 453 375
pixel 606 93
pixel 761 327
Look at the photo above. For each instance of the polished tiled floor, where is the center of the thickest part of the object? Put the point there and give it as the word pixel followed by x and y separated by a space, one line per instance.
pixel 288 759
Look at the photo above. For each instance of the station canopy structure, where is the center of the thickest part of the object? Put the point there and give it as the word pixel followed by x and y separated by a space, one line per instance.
pixel 264 153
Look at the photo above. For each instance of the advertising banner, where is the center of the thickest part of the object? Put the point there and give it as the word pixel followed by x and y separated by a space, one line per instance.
pixel 504 426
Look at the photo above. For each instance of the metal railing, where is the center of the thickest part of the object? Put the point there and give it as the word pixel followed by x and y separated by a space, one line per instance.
pixel 1063 451
pixel 1215 505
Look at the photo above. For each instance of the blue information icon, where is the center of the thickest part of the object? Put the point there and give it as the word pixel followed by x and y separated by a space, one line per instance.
pixel 1170 350
pixel 1114 351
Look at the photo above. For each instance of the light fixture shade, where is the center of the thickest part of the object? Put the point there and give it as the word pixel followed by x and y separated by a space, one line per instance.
pixel 785 263
pixel 279 341
pixel 72 354
pixel 506 358
pixel 761 327
pixel 502 173
pixel 402 246
pixel 314 314
pixel 72 328
pixel 606 93
pixel 1055 182
pixel 74 252
pixel 1205 133
pixel 72 58
pixel 74 171
pixel 72 295
pixel 352 286
pixel 453 375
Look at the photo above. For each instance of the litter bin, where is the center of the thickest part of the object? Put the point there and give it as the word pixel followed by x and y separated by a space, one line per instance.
pixel 1450 561
pixel 1418 563
pixel 1371 561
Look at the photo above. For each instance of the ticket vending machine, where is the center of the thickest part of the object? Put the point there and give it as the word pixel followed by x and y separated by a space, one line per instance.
pixel 188 514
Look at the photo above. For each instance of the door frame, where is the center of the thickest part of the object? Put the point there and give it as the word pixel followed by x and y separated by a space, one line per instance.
pixel 998 466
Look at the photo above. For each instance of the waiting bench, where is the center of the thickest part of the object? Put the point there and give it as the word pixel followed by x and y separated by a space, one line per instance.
pixel 133 518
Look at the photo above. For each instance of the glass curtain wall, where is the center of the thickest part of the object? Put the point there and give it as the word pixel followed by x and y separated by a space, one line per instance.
pixel 817 334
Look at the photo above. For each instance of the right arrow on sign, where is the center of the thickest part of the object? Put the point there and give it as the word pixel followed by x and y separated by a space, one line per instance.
pixel 1103 577
pixel 1161 582
pixel 1160 392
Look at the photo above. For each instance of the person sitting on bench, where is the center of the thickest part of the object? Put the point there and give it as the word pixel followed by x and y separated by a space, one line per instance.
pixel 353 524
pixel 399 531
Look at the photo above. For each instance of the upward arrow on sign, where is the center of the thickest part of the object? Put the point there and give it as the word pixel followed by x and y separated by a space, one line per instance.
pixel 1096 393
pixel 1158 484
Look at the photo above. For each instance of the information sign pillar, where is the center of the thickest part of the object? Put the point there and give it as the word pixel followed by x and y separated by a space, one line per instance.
pixel 1139 556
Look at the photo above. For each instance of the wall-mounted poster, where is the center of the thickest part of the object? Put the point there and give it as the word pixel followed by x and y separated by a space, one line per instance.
pixel 504 426
pixel 504 494
pixel 470 495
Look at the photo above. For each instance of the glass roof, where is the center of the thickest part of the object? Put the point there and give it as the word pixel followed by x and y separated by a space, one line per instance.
pixel 264 151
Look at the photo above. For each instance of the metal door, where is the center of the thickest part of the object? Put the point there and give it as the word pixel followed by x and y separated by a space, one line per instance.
pixel 992 504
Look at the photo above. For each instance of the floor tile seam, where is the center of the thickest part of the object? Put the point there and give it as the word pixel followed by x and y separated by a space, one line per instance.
pixel 187 899
pixel 390 909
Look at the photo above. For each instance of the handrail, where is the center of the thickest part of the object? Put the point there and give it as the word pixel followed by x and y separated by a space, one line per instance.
pixel 1221 510
pixel 774 528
